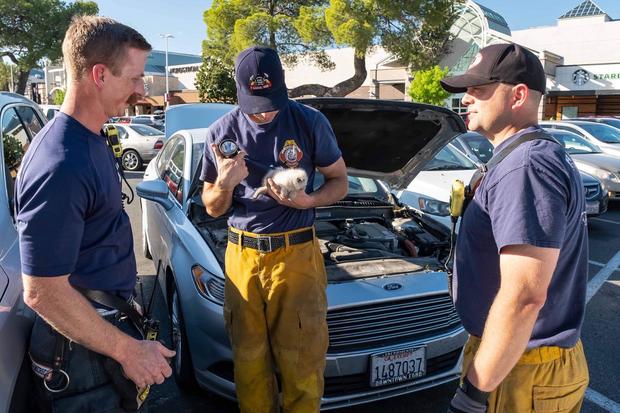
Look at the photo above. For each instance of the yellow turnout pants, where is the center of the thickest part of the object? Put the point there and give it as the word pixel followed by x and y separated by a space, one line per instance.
pixel 545 379
pixel 275 309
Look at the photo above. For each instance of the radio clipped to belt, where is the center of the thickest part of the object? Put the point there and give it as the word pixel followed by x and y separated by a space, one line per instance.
pixel 111 134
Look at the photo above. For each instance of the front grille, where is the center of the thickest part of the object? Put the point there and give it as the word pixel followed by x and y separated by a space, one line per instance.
pixel 344 385
pixel 394 322
pixel 592 191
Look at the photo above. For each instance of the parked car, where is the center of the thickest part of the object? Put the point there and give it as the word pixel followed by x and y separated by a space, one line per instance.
pixel 141 120
pixel 430 190
pixel 20 120
pixel 607 120
pixel 387 290
pixel 605 137
pixel 49 111
pixel 140 144
pixel 590 159
pixel 156 118
pixel 479 149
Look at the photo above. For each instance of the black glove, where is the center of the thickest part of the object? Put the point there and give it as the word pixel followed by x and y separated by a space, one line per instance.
pixel 468 399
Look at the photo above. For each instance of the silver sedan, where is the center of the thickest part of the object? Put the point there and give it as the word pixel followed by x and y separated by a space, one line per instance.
pixel 140 143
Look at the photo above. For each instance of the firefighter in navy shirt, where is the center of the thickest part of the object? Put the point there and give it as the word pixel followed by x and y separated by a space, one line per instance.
pixel 521 264
pixel 74 232
pixel 275 302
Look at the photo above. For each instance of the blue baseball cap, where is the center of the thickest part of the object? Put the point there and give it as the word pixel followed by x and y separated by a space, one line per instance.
pixel 260 81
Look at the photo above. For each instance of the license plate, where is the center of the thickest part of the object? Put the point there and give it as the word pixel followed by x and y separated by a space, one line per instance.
pixel 396 366
pixel 592 208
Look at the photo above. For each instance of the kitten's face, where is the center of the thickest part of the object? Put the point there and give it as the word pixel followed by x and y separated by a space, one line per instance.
pixel 300 182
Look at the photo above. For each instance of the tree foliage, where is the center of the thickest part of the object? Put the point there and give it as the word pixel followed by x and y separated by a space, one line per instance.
pixel 415 32
pixel 33 29
pixel 59 97
pixel 425 87
pixel 215 81
pixel 5 76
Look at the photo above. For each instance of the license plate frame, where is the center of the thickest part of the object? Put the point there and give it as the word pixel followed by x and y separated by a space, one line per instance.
pixel 408 364
pixel 592 207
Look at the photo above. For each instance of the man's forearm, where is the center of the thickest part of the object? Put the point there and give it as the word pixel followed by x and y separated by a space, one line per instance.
pixel 334 189
pixel 507 331
pixel 217 200
pixel 65 309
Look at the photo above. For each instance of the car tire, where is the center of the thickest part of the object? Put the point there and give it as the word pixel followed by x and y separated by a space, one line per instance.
pixel 131 160
pixel 182 366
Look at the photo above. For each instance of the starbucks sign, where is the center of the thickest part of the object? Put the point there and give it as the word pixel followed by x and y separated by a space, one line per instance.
pixel 581 77
pixel 586 77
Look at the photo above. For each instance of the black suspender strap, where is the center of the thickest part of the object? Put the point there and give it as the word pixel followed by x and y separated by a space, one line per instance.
pixel 117 303
pixel 497 158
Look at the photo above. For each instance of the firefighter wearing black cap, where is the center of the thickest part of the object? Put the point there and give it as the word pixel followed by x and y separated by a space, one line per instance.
pixel 275 300
pixel 521 262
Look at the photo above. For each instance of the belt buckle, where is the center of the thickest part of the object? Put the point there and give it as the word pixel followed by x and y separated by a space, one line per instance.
pixel 259 244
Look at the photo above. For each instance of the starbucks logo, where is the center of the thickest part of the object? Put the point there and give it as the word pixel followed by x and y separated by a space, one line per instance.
pixel 580 77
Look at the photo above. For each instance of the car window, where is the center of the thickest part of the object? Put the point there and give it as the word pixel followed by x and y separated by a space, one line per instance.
pixel 611 122
pixel 568 128
pixel 30 119
pixel 164 155
pixel 575 144
pixel 122 133
pixel 15 141
pixel 358 186
pixel 481 147
pixel 145 130
pixel 602 132
pixel 173 171
pixel 449 159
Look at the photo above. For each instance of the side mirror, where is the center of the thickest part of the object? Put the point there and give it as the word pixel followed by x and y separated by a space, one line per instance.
pixel 156 191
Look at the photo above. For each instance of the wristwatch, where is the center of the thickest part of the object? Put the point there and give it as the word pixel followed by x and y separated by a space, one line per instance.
pixel 473 392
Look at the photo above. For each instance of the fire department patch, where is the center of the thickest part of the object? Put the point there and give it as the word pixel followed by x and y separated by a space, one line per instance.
pixel 260 82
pixel 291 154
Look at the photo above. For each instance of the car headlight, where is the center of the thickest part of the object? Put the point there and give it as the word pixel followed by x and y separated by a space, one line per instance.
pixel 434 207
pixel 608 176
pixel 209 286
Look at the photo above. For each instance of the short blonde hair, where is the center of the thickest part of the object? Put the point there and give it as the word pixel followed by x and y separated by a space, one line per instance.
pixel 93 39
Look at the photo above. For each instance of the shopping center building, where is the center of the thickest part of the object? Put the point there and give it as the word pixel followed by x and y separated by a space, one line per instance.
pixel 579 52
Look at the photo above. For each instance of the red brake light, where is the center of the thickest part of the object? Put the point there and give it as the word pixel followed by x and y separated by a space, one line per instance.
pixel 159 144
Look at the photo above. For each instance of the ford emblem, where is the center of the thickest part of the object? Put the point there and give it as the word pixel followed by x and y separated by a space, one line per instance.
pixel 392 286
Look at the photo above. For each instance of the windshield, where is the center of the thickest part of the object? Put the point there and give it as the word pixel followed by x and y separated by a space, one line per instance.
pixel 480 146
pixel 449 159
pixel 574 144
pixel 145 130
pixel 611 122
pixel 602 132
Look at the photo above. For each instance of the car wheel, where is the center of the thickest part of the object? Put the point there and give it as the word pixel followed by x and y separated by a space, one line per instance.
pixel 131 160
pixel 182 361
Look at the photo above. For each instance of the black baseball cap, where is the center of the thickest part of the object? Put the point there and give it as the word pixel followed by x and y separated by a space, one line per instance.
pixel 260 80
pixel 506 63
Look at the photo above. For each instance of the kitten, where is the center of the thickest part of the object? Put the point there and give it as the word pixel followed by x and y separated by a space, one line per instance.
pixel 290 181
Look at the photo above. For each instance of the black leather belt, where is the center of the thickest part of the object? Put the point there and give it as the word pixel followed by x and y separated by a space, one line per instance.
pixel 269 243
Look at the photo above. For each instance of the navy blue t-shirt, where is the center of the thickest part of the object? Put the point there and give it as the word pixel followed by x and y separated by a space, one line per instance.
pixel 298 137
pixel 70 216
pixel 534 196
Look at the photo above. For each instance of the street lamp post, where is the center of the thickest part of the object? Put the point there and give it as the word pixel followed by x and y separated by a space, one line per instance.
pixel 167 36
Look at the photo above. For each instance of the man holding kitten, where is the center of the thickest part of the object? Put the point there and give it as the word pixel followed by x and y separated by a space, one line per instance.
pixel 275 302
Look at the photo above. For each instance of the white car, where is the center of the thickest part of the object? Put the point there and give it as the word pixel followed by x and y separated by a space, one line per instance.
pixel 140 143
pixel 430 190
pixel 606 137
pixel 50 110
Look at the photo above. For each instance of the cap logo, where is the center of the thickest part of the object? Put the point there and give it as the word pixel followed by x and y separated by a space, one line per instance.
pixel 260 82
pixel 290 154
pixel 476 61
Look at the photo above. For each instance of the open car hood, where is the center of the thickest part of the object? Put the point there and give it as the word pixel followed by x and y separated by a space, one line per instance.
pixel 387 140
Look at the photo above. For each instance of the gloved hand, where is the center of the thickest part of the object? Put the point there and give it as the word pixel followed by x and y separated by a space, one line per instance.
pixel 462 403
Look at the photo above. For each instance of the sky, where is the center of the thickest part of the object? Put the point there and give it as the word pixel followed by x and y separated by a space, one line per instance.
pixel 183 18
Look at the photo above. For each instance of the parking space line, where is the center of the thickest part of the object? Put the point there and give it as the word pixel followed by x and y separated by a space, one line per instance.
pixel 599 279
pixel 599 264
pixel 602 401
pixel 609 221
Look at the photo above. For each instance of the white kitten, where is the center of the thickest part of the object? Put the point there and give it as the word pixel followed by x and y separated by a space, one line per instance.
pixel 289 180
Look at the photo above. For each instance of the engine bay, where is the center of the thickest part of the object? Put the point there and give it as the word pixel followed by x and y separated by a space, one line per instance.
pixel 357 242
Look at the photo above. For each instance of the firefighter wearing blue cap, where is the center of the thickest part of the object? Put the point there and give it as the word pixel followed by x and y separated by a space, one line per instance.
pixel 275 301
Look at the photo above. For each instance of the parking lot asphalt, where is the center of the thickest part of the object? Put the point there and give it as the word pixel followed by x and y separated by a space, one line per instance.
pixel 600 334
